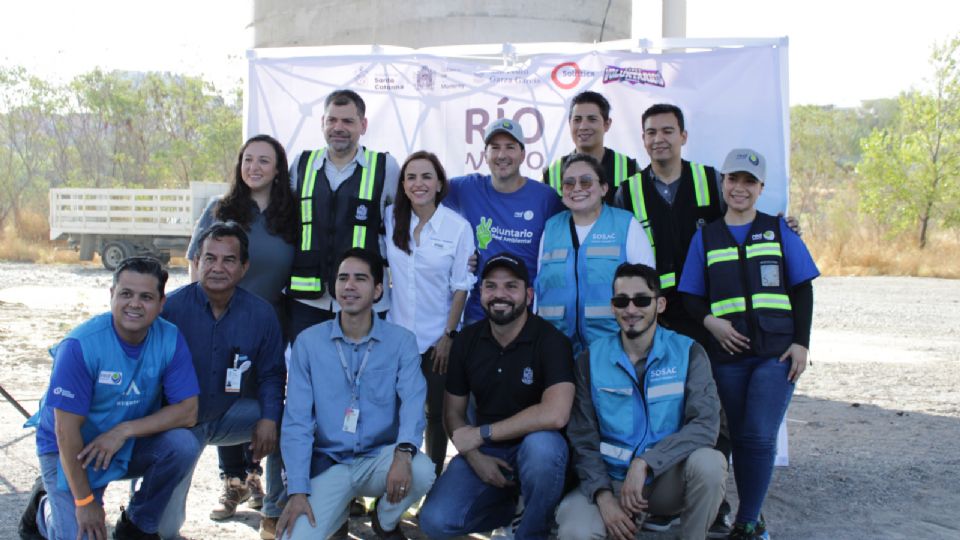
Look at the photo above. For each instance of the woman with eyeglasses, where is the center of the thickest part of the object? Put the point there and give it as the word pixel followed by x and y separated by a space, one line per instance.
pixel 580 250
pixel 748 278
pixel 261 201
pixel 428 248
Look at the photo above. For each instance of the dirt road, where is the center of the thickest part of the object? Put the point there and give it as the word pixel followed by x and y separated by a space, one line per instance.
pixel 874 425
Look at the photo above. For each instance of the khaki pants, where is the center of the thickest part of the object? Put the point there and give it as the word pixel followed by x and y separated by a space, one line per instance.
pixel 694 488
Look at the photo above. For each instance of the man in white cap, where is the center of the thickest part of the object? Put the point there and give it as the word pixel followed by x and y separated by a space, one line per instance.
pixel 506 209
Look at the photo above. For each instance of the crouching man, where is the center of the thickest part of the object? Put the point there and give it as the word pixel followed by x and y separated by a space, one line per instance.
pixel 354 416
pixel 645 419
pixel 102 418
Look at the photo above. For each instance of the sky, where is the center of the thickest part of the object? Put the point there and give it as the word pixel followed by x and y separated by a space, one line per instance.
pixel 840 51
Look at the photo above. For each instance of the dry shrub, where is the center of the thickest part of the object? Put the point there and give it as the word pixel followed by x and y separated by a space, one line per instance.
pixel 13 247
pixel 33 226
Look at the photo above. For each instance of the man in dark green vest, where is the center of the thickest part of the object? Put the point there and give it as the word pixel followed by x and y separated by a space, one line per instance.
pixel 589 121
pixel 342 190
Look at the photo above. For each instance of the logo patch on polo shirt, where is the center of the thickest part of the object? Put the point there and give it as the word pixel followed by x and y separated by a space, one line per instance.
pixel 113 378
pixel 527 376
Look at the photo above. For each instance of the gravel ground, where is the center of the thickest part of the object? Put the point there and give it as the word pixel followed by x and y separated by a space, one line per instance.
pixel 874 424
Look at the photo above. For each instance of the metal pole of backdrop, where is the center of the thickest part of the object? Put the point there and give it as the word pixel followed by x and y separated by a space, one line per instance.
pixel 14 402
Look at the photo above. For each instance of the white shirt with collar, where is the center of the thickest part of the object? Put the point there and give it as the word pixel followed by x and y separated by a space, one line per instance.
pixel 336 177
pixel 425 279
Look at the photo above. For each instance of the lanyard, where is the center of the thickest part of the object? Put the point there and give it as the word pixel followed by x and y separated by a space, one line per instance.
pixel 354 381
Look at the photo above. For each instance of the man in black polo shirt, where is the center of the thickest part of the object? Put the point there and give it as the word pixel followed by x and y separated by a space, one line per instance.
pixel 519 368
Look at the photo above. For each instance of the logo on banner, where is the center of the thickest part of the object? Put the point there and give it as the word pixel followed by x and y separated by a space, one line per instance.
pixel 633 76
pixel 360 77
pixel 425 79
pixel 566 75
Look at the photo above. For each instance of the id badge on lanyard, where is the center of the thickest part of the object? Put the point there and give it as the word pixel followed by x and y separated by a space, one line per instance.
pixel 352 415
pixel 235 374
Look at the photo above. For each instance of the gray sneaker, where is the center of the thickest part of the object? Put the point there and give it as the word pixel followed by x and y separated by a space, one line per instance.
pixel 235 491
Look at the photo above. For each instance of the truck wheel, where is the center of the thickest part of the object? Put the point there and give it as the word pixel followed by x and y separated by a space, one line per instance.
pixel 114 253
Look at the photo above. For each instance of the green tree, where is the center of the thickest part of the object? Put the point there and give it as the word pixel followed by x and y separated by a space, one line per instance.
pixel 908 175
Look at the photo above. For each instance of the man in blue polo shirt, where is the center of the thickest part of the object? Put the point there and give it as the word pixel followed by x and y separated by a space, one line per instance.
pixel 237 351
pixel 102 420
pixel 506 209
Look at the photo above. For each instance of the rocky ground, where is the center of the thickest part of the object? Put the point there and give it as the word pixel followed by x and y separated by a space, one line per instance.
pixel 873 427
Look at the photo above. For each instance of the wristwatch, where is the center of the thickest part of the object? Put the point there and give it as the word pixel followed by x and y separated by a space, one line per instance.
pixel 452 334
pixel 486 432
pixel 407 448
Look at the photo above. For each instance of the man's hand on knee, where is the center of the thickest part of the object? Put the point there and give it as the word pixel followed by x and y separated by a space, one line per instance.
pixel 297 505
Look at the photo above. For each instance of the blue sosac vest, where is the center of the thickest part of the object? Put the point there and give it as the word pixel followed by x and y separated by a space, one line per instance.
pixel 633 415
pixel 574 284
pixel 747 285
pixel 124 388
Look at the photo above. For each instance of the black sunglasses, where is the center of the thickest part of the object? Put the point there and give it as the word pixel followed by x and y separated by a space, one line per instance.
pixel 621 302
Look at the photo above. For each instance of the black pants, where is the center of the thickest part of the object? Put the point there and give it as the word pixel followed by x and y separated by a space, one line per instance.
pixel 434 436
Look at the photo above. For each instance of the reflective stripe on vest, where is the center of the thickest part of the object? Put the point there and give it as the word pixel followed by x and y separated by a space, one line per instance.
pixel 764 248
pixel 722 255
pixel 553 174
pixel 306 202
pixel 304 283
pixel 668 280
pixel 700 184
pixel 619 168
pixel 771 301
pixel 640 207
pixel 728 306
pixel 366 194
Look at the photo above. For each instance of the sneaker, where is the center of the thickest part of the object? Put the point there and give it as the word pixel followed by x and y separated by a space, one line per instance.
pixel 395 534
pixel 660 523
pixel 127 530
pixel 235 491
pixel 749 531
pixel 255 485
pixel 720 528
pixel 28 520
pixel 268 528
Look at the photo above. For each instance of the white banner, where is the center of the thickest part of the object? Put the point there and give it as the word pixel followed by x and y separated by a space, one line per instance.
pixel 731 97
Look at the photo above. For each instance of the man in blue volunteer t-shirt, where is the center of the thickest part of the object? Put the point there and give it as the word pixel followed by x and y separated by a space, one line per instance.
pixel 102 419
pixel 506 209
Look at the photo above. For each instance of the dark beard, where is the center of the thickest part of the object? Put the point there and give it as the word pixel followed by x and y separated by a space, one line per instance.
pixel 633 334
pixel 507 317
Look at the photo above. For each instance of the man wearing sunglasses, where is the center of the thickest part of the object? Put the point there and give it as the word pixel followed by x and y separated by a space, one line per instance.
pixel 644 422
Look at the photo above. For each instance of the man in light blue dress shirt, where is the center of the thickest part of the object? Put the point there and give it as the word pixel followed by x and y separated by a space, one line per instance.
pixel 354 416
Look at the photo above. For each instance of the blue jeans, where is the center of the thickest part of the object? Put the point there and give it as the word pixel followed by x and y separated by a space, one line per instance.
pixel 234 427
pixel 460 503
pixel 755 393
pixel 161 459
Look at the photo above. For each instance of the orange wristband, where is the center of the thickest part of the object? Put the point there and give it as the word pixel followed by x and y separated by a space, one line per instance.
pixel 84 501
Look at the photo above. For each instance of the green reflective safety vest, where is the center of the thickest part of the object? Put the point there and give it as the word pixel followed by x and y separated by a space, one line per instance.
pixel 746 284
pixel 617 168
pixel 330 222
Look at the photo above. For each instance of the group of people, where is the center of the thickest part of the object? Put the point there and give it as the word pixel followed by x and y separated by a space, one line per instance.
pixel 579 340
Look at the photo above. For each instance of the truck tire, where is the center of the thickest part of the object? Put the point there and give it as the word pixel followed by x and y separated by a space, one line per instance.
pixel 113 253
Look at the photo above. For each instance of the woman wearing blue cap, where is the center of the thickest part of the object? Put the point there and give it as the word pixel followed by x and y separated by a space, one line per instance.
pixel 748 277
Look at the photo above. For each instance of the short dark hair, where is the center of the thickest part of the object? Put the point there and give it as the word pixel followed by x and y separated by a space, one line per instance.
pixel 589 96
pixel 345 97
pixel 638 270
pixel 585 158
pixel 662 108
pixel 224 229
pixel 143 265
pixel 373 260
